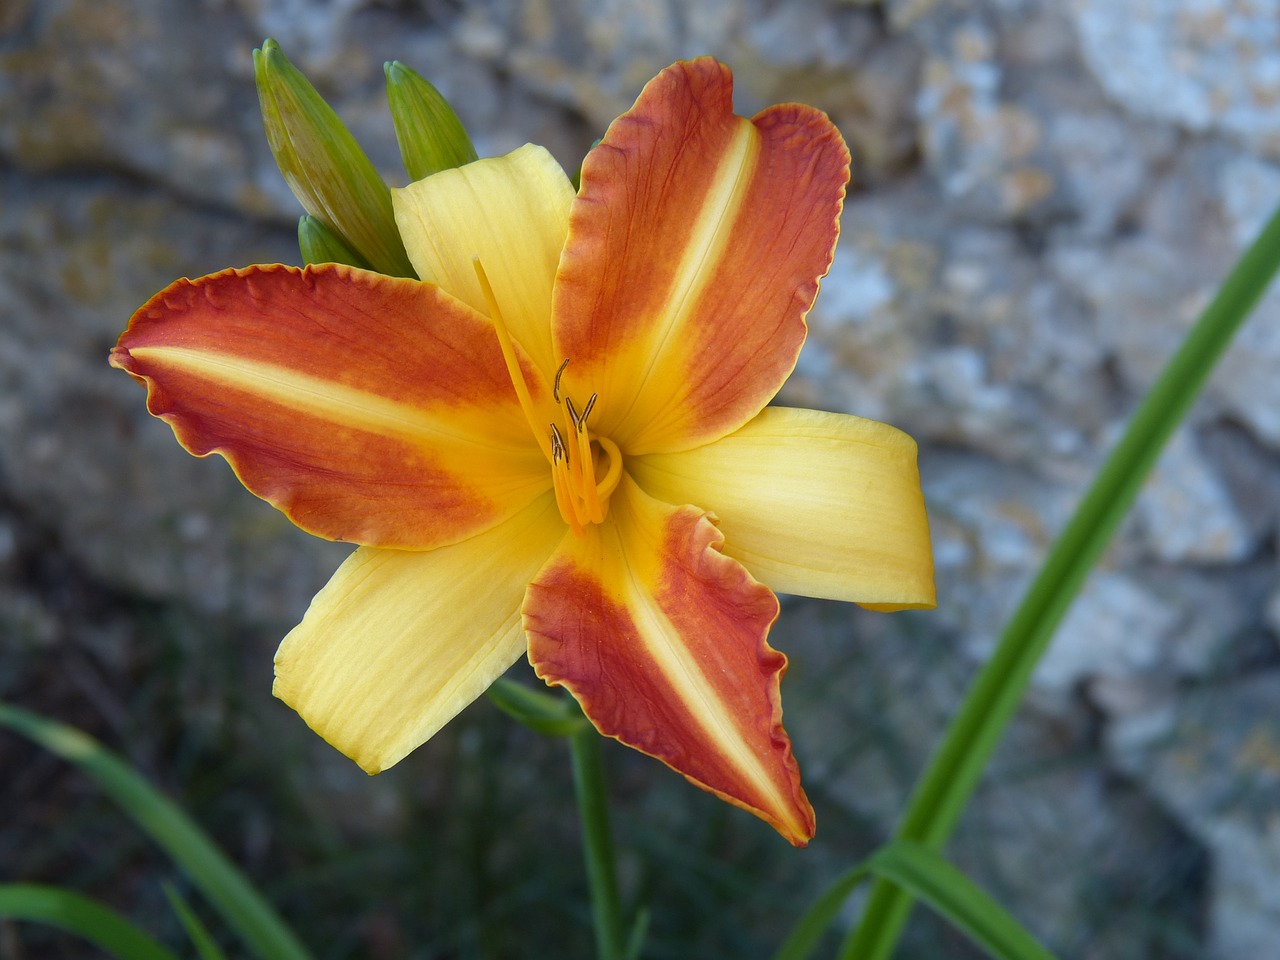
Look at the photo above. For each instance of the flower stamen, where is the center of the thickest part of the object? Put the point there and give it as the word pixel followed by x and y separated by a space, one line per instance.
pixel 561 480
pixel 577 476
pixel 555 388
pixel 613 476
pixel 586 411
pixel 580 497
pixel 512 361
pixel 558 450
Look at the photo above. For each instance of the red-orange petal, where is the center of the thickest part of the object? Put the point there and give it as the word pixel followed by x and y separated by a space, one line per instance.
pixel 662 639
pixel 371 409
pixel 695 248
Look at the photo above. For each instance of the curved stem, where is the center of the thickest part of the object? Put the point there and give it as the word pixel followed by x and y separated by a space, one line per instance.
pixel 597 841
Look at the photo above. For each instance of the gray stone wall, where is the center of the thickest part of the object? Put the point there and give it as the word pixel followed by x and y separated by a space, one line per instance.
pixel 1045 195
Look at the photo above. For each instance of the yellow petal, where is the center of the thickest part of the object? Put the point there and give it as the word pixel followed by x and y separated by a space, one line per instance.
pixel 399 642
pixel 513 213
pixel 817 504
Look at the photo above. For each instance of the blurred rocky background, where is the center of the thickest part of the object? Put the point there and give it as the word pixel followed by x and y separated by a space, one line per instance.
pixel 1045 194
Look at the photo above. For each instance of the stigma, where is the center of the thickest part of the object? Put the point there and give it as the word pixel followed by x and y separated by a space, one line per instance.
pixel 585 469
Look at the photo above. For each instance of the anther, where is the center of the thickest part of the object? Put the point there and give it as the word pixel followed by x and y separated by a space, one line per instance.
pixel 586 411
pixel 580 419
pixel 558 449
pixel 555 389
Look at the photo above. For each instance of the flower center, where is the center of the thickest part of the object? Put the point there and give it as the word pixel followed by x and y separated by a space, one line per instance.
pixel 585 470
pixel 577 460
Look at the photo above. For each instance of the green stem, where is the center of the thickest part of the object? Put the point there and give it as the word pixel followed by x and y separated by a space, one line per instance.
pixel 953 773
pixel 597 839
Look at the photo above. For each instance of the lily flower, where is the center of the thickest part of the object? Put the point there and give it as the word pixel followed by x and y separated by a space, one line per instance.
pixel 557 442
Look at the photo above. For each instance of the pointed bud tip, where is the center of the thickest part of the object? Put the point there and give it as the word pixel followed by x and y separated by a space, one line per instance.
pixel 268 49
pixel 431 136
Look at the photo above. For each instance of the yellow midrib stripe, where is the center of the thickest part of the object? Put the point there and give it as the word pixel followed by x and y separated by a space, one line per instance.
pixel 678 666
pixel 325 399
pixel 713 222
pixel 710 236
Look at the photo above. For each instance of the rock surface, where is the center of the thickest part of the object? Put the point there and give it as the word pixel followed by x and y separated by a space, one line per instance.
pixel 1045 196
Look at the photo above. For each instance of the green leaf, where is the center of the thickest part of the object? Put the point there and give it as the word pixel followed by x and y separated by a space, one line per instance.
pixel 926 875
pixel 319 244
pixel 225 887
pixel 639 930
pixel 953 895
pixel 541 712
pixel 199 934
pixel 945 787
pixel 815 921
pixel 77 914
pixel 324 166
pixel 431 136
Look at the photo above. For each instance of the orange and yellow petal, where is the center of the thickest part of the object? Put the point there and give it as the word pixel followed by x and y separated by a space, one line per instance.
pixel 662 639
pixel 400 641
pixel 695 249
pixel 367 408
pixel 812 503
pixel 512 213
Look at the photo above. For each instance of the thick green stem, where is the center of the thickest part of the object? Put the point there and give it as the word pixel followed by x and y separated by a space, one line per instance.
pixel 953 773
pixel 597 841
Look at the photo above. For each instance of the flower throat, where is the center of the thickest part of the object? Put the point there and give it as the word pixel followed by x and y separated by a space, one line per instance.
pixel 577 458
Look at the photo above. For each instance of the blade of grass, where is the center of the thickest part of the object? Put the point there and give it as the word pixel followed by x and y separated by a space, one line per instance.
pixel 77 914
pixel 639 930
pixel 954 771
pixel 815 921
pixel 926 875
pixel 226 888
pixel 197 932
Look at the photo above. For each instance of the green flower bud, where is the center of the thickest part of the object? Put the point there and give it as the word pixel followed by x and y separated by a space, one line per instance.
pixel 319 244
pixel 431 136
pixel 324 166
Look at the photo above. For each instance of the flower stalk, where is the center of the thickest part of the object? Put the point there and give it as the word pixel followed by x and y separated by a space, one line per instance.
pixel 597 843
